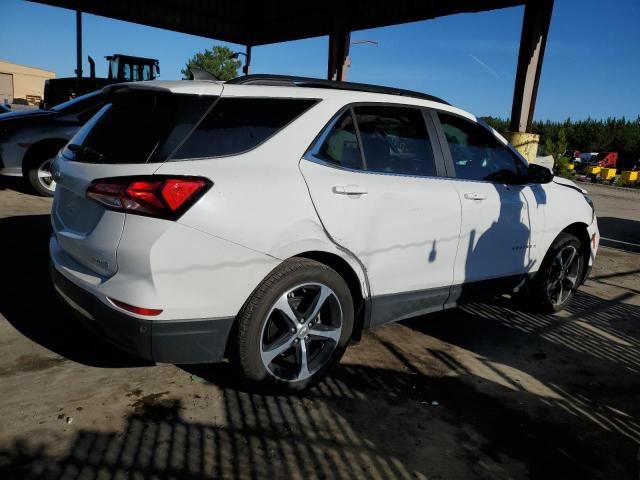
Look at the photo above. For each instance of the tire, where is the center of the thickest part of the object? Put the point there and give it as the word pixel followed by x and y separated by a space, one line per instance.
pixel 270 345
pixel 556 281
pixel 41 183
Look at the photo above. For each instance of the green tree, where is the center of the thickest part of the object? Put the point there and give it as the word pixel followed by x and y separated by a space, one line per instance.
pixel 216 61
pixel 558 149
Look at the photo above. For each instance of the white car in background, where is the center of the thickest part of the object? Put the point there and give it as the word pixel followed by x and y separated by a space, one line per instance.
pixel 270 219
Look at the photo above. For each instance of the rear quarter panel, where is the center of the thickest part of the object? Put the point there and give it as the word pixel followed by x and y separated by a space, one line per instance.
pixel 259 199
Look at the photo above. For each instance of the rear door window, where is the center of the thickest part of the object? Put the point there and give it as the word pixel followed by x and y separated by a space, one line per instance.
pixel 395 140
pixel 380 139
pixel 236 125
pixel 340 147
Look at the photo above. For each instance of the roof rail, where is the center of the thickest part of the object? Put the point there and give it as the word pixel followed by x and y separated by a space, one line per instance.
pixel 293 81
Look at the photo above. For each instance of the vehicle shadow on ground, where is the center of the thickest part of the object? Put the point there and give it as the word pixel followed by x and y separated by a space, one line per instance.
pixel 29 303
pixel 17 184
pixel 367 422
pixel 518 394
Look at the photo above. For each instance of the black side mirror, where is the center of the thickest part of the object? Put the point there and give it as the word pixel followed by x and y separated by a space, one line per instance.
pixel 539 174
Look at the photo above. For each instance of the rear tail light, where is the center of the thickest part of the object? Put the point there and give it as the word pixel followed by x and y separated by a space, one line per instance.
pixel 155 196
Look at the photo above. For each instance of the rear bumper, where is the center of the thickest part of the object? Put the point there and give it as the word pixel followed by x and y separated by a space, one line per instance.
pixel 167 341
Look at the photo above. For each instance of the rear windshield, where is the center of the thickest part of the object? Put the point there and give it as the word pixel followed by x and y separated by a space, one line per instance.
pixel 236 125
pixel 137 126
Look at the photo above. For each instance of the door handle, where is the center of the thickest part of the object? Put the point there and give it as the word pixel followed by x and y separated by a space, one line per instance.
pixel 475 196
pixel 348 190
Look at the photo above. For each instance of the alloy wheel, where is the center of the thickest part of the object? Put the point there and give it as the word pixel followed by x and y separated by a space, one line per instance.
pixel 45 177
pixel 301 332
pixel 563 275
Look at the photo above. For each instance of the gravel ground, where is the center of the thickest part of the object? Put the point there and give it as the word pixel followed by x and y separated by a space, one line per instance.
pixel 483 391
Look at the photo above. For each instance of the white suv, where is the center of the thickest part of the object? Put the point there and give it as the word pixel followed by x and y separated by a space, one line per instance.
pixel 269 220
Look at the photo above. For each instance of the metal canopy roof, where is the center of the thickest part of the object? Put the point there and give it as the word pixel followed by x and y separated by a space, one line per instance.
pixel 257 23
pixel 260 22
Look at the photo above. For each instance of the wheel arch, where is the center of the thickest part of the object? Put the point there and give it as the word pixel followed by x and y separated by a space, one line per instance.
pixel 580 230
pixel 354 282
pixel 39 148
pixel 347 272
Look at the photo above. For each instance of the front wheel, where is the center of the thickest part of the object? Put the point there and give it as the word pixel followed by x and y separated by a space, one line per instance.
pixel 294 327
pixel 40 177
pixel 558 278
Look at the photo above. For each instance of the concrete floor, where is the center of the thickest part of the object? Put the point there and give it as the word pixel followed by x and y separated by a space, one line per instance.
pixel 478 392
pixel 618 215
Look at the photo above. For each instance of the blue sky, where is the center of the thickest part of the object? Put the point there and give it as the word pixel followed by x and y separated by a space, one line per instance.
pixel 592 61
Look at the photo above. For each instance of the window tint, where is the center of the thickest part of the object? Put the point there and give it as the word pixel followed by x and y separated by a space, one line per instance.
pixel 341 144
pixel 236 125
pixel 395 140
pixel 477 154
pixel 137 127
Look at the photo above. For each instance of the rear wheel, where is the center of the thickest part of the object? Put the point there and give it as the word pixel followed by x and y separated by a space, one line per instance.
pixel 40 177
pixel 295 326
pixel 558 278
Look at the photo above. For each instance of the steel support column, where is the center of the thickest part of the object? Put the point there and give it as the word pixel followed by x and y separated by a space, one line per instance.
pixel 247 63
pixel 78 43
pixel 535 27
pixel 338 52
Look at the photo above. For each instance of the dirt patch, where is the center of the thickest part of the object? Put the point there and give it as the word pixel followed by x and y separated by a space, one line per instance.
pixel 153 408
pixel 32 362
pixel 134 393
pixel 143 402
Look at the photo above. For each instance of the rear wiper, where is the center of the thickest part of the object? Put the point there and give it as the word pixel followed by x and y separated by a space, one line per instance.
pixel 88 151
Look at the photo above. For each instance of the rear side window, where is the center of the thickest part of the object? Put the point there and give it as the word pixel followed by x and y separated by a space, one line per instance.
pixel 137 127
pixel 236 125
pixel 477 154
